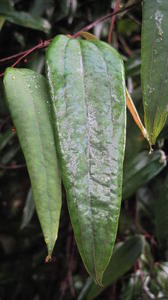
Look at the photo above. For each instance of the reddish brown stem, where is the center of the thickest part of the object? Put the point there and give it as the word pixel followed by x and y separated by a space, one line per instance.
pixel 104 18
pixel 39 46
pixel 44 44
pixel 128 51
pixel 113 22
pixel 3 60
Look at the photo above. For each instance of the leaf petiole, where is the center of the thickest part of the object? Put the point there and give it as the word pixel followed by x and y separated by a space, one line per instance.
pixel 131 107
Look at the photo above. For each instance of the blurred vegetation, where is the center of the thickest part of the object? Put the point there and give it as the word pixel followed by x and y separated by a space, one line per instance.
pixel 139 266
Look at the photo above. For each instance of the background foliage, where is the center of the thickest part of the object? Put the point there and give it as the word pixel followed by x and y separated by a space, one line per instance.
pixel 139 268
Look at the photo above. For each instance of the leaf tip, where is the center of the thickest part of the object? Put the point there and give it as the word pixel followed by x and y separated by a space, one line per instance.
pixel 50 239
pixel 48 259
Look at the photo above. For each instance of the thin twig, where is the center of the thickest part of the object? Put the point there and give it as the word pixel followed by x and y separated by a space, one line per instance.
pixel 39 46
pixel 42 44
pixel 125 46
pixel 12 167
pixel 113 22
pixel 105 18
pixel 11 57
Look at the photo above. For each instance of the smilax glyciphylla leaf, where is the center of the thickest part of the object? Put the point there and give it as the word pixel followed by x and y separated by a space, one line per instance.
pixel 154 71
pixel 28 101
pixel 87 87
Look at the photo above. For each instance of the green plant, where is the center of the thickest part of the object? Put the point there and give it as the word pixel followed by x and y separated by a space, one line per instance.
pixel 84 118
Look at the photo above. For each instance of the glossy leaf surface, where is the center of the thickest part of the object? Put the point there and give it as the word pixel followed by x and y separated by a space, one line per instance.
pixel 124 257
pixel 88 95
pixel 28 101
pixel 140 169
pixel 154 73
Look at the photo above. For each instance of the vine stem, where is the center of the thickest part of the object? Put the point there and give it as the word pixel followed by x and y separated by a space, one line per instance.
pixel 44 44
pixel 105 18
pixel 113 19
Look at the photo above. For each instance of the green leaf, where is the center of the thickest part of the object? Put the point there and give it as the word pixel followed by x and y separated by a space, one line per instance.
pixel 39 7
pixel 28 101
pixel 23 18
pixel 2 21
pixel 28 210
pixel 89 112
pixel 154 73
pixel 124 257
pixel 140 169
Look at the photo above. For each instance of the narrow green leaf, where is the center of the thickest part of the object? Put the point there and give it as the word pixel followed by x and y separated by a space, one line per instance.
pixel 28 210
pixel 89 114
pixel 27 20
pixel 140 169
pixel 124 257
pixel 154 73
pixel 28 101
pixel 23 18
pixel 2 21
